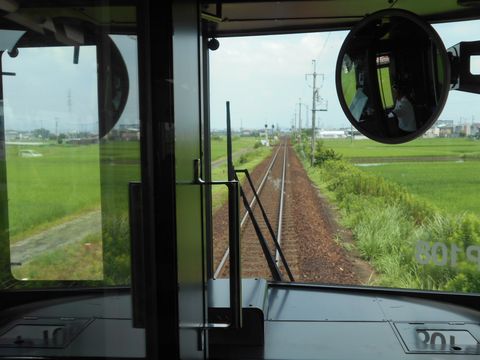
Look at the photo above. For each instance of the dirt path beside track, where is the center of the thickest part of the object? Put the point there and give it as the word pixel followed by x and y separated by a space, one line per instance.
pixel 69 232
pixel 235 155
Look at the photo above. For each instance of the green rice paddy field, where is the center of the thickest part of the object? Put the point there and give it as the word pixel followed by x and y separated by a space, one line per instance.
pixel 445 171
pixel 219 145
pixel 65 181
pixel 54 186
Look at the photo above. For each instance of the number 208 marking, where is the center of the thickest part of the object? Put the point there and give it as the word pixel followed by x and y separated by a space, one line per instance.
pixel 440 254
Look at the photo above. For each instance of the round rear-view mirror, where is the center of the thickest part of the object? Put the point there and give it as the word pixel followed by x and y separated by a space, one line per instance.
pixel 392 76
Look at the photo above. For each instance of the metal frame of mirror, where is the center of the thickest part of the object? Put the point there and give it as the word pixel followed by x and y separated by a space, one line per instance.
pixel 392 76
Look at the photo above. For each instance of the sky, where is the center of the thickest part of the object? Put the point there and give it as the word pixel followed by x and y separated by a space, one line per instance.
pixel 50 91
pixel 48 88
pixel 263 77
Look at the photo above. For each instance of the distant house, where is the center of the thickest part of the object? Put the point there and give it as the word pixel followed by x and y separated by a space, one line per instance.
pixel 445 131
pixel 444 123
pixel 442 128
pixel 129 132
pixel 11 135
pixel 432 132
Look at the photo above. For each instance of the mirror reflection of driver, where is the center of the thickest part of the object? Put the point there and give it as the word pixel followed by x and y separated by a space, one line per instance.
pixel 403 110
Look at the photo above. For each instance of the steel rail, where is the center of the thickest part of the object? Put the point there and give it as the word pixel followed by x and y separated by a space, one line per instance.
pixel 280 210
pixel 261 238
pixel 244 219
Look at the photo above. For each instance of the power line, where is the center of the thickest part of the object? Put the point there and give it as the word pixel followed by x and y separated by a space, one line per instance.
pixel 325 43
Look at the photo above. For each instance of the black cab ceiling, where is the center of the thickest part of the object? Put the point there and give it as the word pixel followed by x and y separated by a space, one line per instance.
pixel 238 18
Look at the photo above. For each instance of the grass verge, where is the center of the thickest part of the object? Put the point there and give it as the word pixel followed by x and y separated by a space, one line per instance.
pixel 410 242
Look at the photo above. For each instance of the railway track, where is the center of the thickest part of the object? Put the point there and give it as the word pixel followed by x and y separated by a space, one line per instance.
pixel 271 187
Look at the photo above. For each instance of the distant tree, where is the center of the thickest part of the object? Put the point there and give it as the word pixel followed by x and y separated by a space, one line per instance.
pixel 84 134
pixel 61 137
pixel 307 132
pixel 41 133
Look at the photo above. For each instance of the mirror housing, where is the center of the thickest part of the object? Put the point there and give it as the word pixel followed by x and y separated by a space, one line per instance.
pixel 392 76
pixel 460 57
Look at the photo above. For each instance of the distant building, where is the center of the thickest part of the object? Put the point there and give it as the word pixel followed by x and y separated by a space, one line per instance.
pixel 352 133
pixel 462 130
pixel 81 141
pixel 474 129
pixel 129 127
pixel 442 128
pixel 444 123
pixel 432 132
pixel 445 131
pixel 447 128
pixel 331 134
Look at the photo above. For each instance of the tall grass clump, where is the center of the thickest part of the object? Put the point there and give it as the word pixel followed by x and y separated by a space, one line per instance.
pixel 409 242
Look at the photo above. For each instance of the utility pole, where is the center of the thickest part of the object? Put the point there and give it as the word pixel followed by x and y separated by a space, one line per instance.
pixel 69 101
pixel 314 100
pixel 300 115
pixel 307 110
pixel 300 112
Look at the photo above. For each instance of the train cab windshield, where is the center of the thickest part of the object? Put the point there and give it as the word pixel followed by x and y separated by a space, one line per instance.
pixel 383 215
